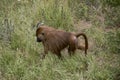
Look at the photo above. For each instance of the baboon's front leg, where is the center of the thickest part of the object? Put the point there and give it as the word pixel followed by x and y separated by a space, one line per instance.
pixel 59 55
pixel 45 52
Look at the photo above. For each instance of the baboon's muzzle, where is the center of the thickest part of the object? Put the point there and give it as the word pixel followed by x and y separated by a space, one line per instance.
pixel 39 40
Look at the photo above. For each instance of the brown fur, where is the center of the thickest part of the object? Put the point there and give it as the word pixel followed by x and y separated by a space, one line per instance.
pixel 55 40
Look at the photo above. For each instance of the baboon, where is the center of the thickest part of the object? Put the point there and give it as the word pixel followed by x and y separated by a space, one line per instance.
pixel 55 40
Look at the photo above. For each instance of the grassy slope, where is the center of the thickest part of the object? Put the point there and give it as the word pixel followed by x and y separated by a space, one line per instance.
pixel 20 60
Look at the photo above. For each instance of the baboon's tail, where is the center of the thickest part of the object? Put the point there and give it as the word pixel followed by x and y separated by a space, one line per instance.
pixel 86 40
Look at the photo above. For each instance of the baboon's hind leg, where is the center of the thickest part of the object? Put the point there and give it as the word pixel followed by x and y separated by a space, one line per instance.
pixel 72 46
pixel 72 49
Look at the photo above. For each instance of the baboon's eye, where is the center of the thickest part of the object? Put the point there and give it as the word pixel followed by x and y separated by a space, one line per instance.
pixel 42 33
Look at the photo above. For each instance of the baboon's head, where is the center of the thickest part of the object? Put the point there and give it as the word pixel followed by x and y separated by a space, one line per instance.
pixel 40 34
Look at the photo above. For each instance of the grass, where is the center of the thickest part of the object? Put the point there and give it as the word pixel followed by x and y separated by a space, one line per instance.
pixel 17 66
pixel 20 54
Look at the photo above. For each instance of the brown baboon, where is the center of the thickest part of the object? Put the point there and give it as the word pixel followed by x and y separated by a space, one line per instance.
pixel 55 40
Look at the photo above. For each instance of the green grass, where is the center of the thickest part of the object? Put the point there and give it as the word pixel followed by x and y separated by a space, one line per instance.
pixel 20 54
pixel 20 66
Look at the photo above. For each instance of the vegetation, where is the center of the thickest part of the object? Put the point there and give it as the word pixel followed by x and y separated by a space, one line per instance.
pixel 20 53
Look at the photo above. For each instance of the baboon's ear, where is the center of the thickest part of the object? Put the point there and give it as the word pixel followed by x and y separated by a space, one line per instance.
pixel 39 24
